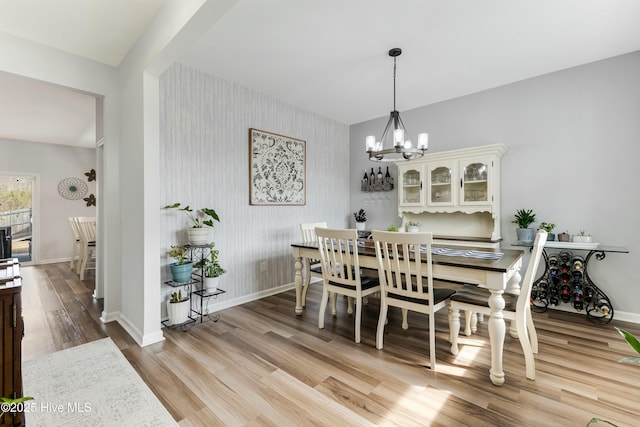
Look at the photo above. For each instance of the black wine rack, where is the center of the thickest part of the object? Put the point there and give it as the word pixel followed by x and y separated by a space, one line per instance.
pixel 565 284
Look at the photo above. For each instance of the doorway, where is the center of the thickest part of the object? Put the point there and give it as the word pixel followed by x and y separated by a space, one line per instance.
pixel 16 217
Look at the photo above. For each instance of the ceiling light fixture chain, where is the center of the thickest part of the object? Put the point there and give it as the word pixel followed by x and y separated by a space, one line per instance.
pixel 400 149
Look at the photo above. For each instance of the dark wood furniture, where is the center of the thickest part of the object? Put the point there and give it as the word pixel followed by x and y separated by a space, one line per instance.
pixel 12 331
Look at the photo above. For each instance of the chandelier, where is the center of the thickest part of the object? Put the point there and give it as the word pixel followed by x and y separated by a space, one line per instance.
pixel 394 134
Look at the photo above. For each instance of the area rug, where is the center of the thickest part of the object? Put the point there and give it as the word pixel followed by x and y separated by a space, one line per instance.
pixel 89 385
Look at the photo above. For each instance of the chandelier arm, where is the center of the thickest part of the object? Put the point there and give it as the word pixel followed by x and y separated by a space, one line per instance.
pixel 386 129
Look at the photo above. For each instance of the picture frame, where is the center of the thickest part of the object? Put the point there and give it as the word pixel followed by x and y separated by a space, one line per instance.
pixel 277 169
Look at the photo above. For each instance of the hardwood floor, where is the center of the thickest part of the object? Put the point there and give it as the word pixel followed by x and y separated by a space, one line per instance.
pixel 263 365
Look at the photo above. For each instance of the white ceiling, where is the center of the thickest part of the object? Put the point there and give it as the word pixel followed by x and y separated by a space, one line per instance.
pixel 330 56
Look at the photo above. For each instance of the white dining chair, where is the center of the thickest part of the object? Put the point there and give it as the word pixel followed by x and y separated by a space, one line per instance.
pixel 313 267
pixel 406 281
pixel 517 308
pixel 75 241
pixel 341 271
pixel 87 233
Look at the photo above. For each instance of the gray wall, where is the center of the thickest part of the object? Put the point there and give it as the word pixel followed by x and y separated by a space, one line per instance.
pixel 204 162
pixel 573 141
pixel 50 164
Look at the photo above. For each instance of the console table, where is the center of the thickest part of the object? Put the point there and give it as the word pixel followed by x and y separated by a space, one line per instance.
pixel 565 283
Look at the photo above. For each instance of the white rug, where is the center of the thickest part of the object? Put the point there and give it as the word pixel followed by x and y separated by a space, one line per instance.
pixel 89 385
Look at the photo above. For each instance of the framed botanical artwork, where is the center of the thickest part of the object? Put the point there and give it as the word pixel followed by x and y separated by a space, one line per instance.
pixel 277 169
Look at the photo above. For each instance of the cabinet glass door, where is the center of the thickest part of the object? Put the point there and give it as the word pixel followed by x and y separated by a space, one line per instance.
pixel 474 178
pixel 411 188
pixel 440 185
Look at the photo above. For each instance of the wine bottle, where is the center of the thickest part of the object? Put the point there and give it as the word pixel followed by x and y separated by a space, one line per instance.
pixel 379 177
pixel 365 182
pixel 372 178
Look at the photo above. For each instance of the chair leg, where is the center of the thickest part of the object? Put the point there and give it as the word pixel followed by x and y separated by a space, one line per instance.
pixel 323 307
pixel 529 360
pixel 349 305
pixel 358 316
pixel 533 335
pixel 454 329
pixel 405 321
pixel 334 303
pixel 382 320
pixel 432 341
pixel 85 259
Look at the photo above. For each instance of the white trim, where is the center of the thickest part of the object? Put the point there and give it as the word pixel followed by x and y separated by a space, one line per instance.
pixel 213 306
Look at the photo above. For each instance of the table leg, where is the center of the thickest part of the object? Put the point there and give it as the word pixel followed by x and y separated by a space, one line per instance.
pixel 497 331
pixel 513 287
pixel 298 282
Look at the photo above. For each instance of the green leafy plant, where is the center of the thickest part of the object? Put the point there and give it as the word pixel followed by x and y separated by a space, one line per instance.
pixel 392 227
pixel 210 266
pixel 546 226
pixel 584 233
pixel 360 216
pixel 635 344
pixel 413 224
pixel 194 215
pixel 177 297
pixel 524 218
pixel 179 253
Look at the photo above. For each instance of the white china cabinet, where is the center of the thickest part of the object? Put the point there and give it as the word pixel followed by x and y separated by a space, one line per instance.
pixel 455 194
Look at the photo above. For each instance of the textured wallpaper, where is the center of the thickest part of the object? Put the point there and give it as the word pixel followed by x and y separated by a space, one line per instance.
pixel 204 162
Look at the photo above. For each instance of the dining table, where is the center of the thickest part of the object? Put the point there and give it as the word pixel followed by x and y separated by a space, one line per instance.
pixel 494 268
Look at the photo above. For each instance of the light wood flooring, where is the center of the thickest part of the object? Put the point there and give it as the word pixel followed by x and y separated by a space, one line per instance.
pixel 261 365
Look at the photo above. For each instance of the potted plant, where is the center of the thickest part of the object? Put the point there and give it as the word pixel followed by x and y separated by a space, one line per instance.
pixel 583 237
pixel 392 227
pixel 412 226
pixel 199 233
pixel 182 268
pixel 524 218
pixel 361 219
pixel 178 308
pixel 211 270
pixel 548 227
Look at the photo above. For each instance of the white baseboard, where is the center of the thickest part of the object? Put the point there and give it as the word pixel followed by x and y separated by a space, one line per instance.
pixel 625 316
pixel 213 306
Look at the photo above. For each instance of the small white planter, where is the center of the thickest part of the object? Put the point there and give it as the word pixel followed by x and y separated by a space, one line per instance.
pixel 211 283
pixel 582 239
pixel 199 236
pixel 413 228
pixel 178 312
pixel 360 226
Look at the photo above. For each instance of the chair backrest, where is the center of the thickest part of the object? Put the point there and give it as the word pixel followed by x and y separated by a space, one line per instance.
pixel 87 229
pixel 405 264
pixel 309 230
pixel 74 227
pixel 532 268
pixel 339 256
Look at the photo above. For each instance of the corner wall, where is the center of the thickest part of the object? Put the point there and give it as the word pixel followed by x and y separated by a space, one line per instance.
pixel 572 156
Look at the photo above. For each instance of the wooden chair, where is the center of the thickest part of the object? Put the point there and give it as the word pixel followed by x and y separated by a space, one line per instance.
pixel 341 271
pixel 313 266
pixel 75 238
pixel 406 280
pixel 517 308
pixel 87 232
